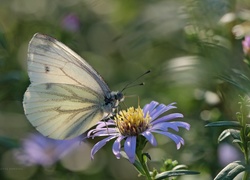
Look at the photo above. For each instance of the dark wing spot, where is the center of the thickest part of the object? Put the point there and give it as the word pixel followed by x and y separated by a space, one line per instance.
pixel 47 69
pixel 48 85
pixel 43 47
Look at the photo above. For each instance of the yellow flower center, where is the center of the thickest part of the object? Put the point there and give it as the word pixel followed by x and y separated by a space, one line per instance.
pixel 132 122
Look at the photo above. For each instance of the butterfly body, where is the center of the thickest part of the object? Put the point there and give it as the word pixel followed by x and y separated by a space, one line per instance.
pixel 66 96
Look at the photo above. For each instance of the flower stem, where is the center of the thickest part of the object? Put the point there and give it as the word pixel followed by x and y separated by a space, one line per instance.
pixel 142 157
pixel 143 163
pixel 243 134
pixel 245 151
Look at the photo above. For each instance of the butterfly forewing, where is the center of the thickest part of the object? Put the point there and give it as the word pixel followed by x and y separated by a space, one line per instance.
pixel 66 96
pixel 51 61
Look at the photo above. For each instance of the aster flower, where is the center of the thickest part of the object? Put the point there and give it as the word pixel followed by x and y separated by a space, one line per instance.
pixel 71 22
pixel 135 124
pixel 37 149
pixel 246 45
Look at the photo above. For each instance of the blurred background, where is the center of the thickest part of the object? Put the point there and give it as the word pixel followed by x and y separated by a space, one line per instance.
pixel 193 48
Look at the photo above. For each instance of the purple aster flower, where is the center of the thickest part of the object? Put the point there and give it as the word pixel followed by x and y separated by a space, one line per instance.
pixel 246 45
pixel 37 149
pixel 227 154
pixel 129 125
pixel 71 22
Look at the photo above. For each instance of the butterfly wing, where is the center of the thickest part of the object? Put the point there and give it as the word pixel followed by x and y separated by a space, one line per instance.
pixel 50 61
pixel 66 94
pixel 62 111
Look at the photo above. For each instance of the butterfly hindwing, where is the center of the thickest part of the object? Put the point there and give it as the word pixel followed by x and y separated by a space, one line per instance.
pixel 62 111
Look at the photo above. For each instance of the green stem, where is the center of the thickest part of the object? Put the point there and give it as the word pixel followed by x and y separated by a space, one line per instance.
pixel 243 134
pixel 246 152
pixel 144 164
pixel 141 142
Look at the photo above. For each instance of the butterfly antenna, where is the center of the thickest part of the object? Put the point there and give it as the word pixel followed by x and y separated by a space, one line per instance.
pixel 106 127
pixel 131 84
pixel 138 101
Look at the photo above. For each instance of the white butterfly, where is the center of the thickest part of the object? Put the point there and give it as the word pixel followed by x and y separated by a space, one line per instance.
pixel 66 96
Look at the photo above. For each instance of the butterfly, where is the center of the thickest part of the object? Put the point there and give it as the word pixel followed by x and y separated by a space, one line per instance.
pixel 66 96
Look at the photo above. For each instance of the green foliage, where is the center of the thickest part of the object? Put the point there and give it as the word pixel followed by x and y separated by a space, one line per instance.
pixel 233 124
pixel 191 48
pixel 229 132
pixel 174 173
pixel 172 169
pixel 8 143
pixel 231 171
pixel 239 131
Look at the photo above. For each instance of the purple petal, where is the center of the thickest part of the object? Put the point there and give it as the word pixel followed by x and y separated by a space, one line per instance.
pixel 167 118
pixel 150 137
pixel 105 124
pixel 65 146
pixel 173 125
pixel 129 148
pixel 34 153
pixel 102 132
pixel 177 139
pixel 37 149
pixel 160 110
pixel 99 145
pixel 109 132
pixel 117 147
pixel 149 107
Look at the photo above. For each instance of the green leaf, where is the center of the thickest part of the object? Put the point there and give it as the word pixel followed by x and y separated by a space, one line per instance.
pixel 237 79
pixel 237 141
pixel 181 166
pixel 224 124
pixel 224 135
pixel 167 174
pixel 248 129
pixel 231 171
pixel 233 82
pixel 234 133
pixel 147 156
pixel 139 167
pixel 136 164
pixel 8 142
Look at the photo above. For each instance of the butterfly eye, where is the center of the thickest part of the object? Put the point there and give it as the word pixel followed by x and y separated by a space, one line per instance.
pixel 119 96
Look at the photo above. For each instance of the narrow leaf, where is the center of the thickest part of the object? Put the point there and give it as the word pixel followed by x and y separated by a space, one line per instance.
pixel 234 133
pixel 237 141
pixel 8 142
pixel 139 167
pixel 229 80
pixel 147 156
pixel 224 135
pixel 167 174
pixel 231 171
pixel 224 124
pixel 181 166
pixel 136 164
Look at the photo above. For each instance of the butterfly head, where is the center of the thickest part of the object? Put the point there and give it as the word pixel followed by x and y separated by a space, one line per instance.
pixel 112 101
pixel 114 98
pixel 118 96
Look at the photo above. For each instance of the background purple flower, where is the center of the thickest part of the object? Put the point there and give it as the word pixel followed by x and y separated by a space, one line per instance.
pixel 71 22
pixel 246 45
pixel 37 149
pixel 227 154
